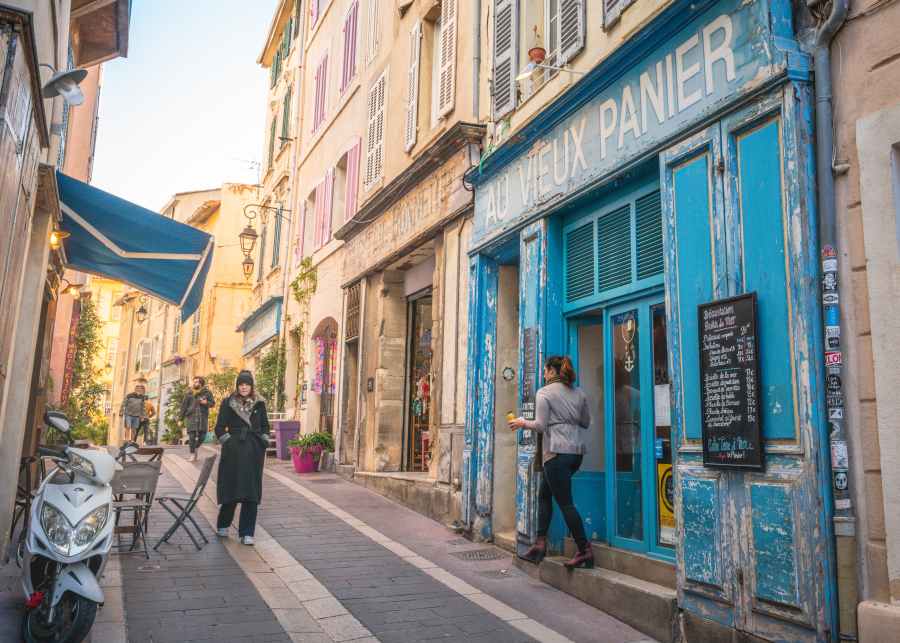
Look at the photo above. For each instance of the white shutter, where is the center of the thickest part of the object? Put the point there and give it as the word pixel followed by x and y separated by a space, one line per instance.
pixel 412 105
pixel 612 10
pixel 571 29
pixel 374 32
pixel 506 20
pixel 375 136
pixel 447 85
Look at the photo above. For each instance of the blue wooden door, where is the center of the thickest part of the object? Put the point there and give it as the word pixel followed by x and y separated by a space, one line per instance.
pixel 753 550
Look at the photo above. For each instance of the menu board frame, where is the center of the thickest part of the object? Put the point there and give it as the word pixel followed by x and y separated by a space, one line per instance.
pixel 756 462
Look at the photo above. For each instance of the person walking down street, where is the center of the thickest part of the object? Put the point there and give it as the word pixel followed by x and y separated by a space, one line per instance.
pixel 137 411
pixel 563 416
pixel 242 429
pixel 195 414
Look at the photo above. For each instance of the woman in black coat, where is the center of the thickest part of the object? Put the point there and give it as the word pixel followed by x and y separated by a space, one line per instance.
pixel 242 428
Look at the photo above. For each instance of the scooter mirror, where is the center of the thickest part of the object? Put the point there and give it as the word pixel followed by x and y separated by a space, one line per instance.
pixel 57 420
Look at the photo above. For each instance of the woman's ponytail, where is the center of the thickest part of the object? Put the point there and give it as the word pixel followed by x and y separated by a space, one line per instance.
pixel 562 365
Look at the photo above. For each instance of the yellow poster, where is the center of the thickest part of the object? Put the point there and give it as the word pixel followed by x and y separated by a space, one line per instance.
pixel 665 491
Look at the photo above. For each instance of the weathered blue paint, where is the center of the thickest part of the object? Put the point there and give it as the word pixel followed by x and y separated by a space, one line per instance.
pixel 774 544
pixel 646 92
pixel 701 519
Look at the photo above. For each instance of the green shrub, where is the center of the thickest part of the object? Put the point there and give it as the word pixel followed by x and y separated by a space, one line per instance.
pixel 304 442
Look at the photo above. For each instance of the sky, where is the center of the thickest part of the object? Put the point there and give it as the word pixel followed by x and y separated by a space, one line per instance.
pixel 186 109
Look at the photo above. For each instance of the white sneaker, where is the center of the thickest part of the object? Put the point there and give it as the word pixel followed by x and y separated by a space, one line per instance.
pixel 247 540
pixel 222 533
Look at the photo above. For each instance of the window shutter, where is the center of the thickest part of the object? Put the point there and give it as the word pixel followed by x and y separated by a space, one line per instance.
pixel 262 252
pixel 412 87
pixel 580 262
pixel 374 32
pixel 375 134
pixel 648 235
pixel 286 116
pixel 276 240
pixel 321 92
pixel 612 10
pixel 328 215
pixel 272 142
pixel 350 198
pixel 571 29
pixel 503 90
pixel 348 71
pixel 614 248
pixel 300 242
pixel 313 12
pixel 447 85
pixel 320 214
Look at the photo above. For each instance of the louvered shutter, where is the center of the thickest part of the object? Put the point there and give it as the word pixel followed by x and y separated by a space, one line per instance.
pixel 614 248
pixel 412 88
pixel 301 234
pixel 506 20
pixel 328 215
pixel 321 92
pixel 272 143
pixel 350 29
pixel 580 262
pixel 648 235
pixel 320 215
pixel 612 10
pixel 352 187
pixel 373 32
pixel 286 116
pixel 447 82
pixel 375 134
pixel 571 29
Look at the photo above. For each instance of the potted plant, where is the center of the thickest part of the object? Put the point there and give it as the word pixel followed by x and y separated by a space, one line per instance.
pixel 306 449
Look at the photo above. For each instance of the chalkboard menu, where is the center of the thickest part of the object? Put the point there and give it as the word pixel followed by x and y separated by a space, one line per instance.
pixel 729 383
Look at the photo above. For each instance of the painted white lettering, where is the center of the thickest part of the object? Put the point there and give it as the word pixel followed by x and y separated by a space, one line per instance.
pixel 525 178
pixel 558 178
pixel 721 52
pixel 651 95
pixel 543 170
pixel 607 128
pixel 683 75
pixel 577 137
pixel 629 120
pixel 670 85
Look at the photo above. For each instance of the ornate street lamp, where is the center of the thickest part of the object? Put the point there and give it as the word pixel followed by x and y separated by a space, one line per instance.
pixel 254 210
pixel 247 265
pixel 141 314
pixel 248 240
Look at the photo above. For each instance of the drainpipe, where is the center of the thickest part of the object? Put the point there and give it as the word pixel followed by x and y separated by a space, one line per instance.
pixel 476 61
pixel 844 519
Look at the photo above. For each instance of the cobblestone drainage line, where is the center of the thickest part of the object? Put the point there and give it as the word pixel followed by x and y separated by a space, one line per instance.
pixel 499 609
pixel 306 610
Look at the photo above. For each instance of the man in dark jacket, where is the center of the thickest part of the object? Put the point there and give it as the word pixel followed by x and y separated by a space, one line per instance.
pixel 195 413
pixel 242 428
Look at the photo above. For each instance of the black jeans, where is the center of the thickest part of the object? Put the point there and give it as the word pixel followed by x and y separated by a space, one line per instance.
pixel 247 524
pixel 556 484
pixel 195 439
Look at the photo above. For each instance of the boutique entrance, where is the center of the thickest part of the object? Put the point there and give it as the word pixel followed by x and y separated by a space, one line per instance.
pixel 624 488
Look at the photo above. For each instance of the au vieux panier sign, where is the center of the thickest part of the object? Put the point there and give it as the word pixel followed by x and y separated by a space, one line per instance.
pixel 729 49
pixel 729 383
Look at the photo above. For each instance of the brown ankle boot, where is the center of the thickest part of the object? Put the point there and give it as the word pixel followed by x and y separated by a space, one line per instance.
pixel 583 558
pixel 538 551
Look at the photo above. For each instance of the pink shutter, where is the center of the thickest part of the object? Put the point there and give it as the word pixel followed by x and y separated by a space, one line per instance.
pixel 327 215
pixel 313 12
pixel 318 90
pixel 349 67
pixel 320 209
pixel 352 181
pixel 301 234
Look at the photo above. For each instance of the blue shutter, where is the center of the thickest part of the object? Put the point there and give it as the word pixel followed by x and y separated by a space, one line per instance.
pixel 580 262
pixel 648 233
pixel 614 248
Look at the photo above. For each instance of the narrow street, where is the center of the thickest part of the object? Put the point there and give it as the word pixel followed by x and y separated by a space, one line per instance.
pixel 332 562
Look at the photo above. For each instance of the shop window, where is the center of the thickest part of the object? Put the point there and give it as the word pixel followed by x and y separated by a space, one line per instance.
pixel 615 249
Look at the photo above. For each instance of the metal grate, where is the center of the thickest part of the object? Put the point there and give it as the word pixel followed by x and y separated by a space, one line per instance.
pixel 614 248
pixel 455 542
pixel 480 554
pixel 580 262
pixel 649 237
pixel 352 325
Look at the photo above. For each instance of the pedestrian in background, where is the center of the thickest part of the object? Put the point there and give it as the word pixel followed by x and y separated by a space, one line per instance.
pixel 242 428
pixel 563 416
pixel 137 412
pixel 195 414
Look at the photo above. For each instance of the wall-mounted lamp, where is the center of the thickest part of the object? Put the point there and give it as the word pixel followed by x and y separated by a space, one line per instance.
pixel 248 240
pixel 247 265
pixel 141 314
pixel 73 290
pixel 65 84
pixel 56 238
pixel 531 67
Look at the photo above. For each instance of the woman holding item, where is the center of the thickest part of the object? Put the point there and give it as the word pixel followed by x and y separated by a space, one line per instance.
pixel 563 416
pixel 242 428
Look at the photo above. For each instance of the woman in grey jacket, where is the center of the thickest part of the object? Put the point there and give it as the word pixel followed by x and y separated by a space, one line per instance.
pixel 563 416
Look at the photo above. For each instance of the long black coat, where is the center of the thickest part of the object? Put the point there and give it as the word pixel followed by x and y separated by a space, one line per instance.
pixel 243 452
pixel 196 414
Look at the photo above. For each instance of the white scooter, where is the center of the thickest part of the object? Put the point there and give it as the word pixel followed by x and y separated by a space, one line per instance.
pixel 70 532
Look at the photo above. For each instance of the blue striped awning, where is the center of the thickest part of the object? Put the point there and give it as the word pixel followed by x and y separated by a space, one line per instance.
pixel 115 238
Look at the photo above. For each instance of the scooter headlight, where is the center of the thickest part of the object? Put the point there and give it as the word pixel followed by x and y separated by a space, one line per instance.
pixel 81 464
pixel 90 526
pixel 57 527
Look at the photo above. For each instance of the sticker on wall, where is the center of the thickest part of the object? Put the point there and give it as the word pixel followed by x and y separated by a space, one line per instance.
pixel 508 374
pixel 830 299
pixel 839 458
pixel 829 265
pixel 833 358
pixel 832 316
pixel 834 400
pixel 666 493
pixel 833 382
pixel 828 251
pixel 836 413
pixel 842 503
pixel 832 337
pixel 840 480
pixel 830 282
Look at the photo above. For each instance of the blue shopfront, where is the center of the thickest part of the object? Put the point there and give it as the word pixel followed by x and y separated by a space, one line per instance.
pixel 676 173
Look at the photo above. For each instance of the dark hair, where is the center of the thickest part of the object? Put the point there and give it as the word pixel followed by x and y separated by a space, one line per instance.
pixel 202 380
pixel 562 365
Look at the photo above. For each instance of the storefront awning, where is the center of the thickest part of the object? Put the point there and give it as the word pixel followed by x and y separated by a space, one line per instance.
pixel 115 238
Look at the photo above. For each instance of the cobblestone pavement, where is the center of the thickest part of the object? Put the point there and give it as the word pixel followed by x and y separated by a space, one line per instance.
pixel 333 562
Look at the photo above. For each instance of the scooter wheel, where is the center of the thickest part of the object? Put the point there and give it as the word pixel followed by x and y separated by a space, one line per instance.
pixel 71 624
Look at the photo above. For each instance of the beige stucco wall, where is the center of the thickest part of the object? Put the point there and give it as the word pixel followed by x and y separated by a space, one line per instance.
pixel 866 75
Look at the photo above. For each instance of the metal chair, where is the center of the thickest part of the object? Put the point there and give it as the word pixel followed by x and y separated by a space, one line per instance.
pixel 138 479
pixel 184 506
